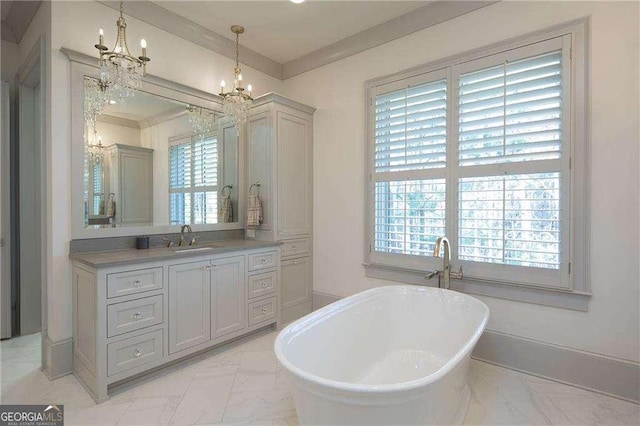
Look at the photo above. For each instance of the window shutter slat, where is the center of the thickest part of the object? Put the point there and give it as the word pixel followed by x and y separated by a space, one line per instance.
pixel 520 114
pixel 410 128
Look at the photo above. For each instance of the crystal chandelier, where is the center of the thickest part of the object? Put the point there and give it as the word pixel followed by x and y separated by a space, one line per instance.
pixel 236 103
pixel 95 147
pixel 95 99
pixel 202 120
pixel 120 72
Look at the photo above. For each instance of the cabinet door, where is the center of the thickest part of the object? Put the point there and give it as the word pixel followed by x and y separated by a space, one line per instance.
pixel 295 281
pixel 259 161
pixel 294 175
pixel 228 300
pixel 136 187
pixel 189 305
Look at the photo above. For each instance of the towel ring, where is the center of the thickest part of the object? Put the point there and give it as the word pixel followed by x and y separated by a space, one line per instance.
pixel 229 187
pixel 257 186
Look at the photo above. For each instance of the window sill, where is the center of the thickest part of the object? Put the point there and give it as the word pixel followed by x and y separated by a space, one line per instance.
pixel 547 297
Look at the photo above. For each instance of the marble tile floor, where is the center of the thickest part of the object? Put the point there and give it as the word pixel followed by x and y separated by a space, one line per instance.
pixel 242 384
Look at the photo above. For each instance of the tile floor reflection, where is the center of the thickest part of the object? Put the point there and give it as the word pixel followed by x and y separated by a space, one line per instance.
pixel 242 384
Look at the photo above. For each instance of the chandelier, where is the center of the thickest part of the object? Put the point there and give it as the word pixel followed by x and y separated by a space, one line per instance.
pixel 202 120
pixel 96 97
pixel 95 147
pixel 120 72
pixel 236 103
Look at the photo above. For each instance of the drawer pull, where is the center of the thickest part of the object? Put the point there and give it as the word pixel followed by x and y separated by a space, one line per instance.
pixel 294 247
pixel 137 315
pixel 137 282
pixel 264 310
pixel 137 353
pixel 296 261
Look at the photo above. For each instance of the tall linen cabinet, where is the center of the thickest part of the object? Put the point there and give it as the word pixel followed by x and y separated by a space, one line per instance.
pixel 279 166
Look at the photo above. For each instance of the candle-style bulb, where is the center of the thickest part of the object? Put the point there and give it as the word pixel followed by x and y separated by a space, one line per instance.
pixel 101 32
pixel 249 88
pixel 239 77
pixel 223 83
pixel 143 43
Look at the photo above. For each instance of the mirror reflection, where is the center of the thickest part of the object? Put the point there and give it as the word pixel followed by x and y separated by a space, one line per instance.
pixel 150 161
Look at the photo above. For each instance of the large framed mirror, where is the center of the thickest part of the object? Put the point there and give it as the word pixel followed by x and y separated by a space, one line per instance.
pixel 151 162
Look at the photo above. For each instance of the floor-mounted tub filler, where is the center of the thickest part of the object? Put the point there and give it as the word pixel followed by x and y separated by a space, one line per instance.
pixel 387 356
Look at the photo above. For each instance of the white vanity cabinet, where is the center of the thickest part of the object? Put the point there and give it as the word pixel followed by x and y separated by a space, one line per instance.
pixel 134 317
pixel 280 161
pixel 129 176
pixel 189 305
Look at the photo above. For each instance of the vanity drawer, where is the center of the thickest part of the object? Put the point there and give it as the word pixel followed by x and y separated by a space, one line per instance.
pixel 262 310
pixel 262 284
pixel 134 315
pixel 300 246
pixel 136 351
pixel 260 261
pixel 131 282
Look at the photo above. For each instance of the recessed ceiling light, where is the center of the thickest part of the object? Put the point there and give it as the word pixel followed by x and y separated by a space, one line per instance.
pixel 296 1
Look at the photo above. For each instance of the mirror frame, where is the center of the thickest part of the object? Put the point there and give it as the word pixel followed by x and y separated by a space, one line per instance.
pixel 84 65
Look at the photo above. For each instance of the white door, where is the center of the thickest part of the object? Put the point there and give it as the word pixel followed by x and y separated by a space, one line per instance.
pixel 294 176
pixel 189 305
pixel 228 299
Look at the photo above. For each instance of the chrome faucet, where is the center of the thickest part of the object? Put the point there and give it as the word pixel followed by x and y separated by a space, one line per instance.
pixel 446 273
pixel 182 240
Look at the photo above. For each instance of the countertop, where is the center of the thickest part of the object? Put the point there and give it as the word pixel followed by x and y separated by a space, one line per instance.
pixel 126 257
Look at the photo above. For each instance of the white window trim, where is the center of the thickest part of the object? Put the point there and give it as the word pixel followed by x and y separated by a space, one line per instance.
pixel 577 292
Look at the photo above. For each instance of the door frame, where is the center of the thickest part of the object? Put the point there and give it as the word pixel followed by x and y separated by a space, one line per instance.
pixel 5 215
pixel 35 67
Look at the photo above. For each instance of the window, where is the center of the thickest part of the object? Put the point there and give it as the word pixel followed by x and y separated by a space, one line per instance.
pixel 193 180
pixel 479 149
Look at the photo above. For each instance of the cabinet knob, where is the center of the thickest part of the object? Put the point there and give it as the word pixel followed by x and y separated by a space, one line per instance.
pixel 294 247
pixel 296 261
pixel 207 268
pixel 137 315
pixel 137 282
pixel 263 261
pixel 264 310
pixel 264 284
pixel 137 353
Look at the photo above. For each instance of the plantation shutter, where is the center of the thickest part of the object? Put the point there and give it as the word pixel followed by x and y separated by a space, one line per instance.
pixel 193 169
pixel 510 184
pixel 409 167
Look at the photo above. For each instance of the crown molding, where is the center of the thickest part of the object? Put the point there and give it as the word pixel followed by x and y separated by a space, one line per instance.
pixel 117 121
pixel 152 14
pixel 426 16
pixel 416 20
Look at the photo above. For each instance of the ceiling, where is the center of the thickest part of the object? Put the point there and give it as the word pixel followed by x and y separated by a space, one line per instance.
pixel 143 107
pixel 284 31
pixel 16 17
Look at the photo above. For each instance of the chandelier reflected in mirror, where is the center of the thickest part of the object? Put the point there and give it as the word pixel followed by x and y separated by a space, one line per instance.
pixel 237 102
pixel 203 121
pixel 95 154
pixel 120 72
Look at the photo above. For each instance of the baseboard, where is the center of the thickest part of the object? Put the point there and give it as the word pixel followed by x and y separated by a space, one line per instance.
pixel 582 369
pixel 320 300
pixel 617 378
pixel 58 358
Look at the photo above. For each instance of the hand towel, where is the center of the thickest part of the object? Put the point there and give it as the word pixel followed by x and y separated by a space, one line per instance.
pixel 254 211
pixel 225 213
pixel 111 206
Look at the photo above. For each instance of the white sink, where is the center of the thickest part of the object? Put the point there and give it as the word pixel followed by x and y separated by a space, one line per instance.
pixel 192 250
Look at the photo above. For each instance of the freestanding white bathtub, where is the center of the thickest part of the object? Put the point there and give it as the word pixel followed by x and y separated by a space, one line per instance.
pixel 387 356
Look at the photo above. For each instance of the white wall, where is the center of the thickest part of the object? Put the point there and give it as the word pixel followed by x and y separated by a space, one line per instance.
pixel 113 133
pixel 75 26
pixel 612 325
pixel 10 60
